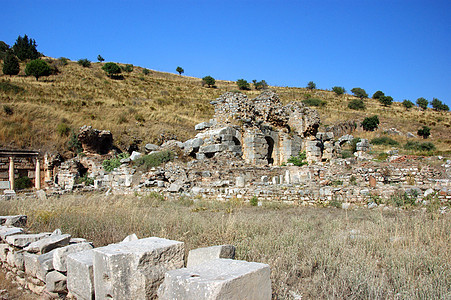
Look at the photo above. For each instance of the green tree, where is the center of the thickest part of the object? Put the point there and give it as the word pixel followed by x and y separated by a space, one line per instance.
pixel 243 84
pixel 4 47
pixel 10 64
pixel 359 92
pixel 180 70
pixel 339 90
pixel 423 103
pixel 386 100
pixel 111 69
pixel 208 80
pixel 146 71
pixel 311 85
pixel 84 62
pixel 378 94
pixel 370 123
pixel 260 85
pixel 37 68
pixel 100 58
pixel 407 103
pixel 356 104
pixel 438 105
pixel 25 48
pixel 424 132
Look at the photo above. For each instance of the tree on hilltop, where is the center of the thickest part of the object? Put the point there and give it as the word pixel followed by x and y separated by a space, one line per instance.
pixel 243 84
pixel 37 68
pixel 25 48
pixel 10 64
pixel 111 69
pixel 311 85
pixel 4 47
pixel 260 85
pixel 359 92
pixel 423 103
pixel 386 100
pixel 100 58
pixel 378 94
pixel 180 70
pixel 438 105
pixel 407 103
pixel 208 80
pixel 339 90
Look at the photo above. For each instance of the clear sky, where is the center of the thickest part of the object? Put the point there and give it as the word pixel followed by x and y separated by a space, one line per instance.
pixel 400 47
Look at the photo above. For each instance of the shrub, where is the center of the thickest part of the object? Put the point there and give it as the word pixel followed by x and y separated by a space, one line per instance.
pixel 386 100
pixel 335 203
pixel 4 47
pixel 154 160
pixel 438 105
pixel 339 90
pixel 311 85
pixel 314 102
pixel 63 129
pixel 74 144
pixel 37 68
pixel 8 87
pixel 424 132
pixel 407 103
pixel 146 71
pixel 63 61
pixel 8 110
pixel 127 68
pixel 299 160
pixel 354 144
pixel 243 84
pixel 417 146
pixel 84 62
pixel 378 95
pixel 25 48
pixel 384 140
pixel 85 180
pixel 111 69
pixel 180 70
pixel 23 182
pixel 359 92
pixel 111 164
pixel 100 58
pixel 370 123
pixel 10 64
pixel 260 85
pixel 423 103
pixel 356 104
pixel 208 80
pixel 254 201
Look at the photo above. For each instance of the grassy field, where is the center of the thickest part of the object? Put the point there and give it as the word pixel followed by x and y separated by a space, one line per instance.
pixel 318 253
pixel 145 106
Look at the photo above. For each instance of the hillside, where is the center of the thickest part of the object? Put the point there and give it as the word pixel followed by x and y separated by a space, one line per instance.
pixel 40 114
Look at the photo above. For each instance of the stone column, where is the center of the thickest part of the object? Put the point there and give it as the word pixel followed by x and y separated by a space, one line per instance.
pixel 37 176
pixel 11 172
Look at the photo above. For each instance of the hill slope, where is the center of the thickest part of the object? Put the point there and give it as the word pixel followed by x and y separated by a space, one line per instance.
pixel 40 114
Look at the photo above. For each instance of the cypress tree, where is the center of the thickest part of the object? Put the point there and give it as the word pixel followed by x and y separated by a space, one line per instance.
pixel 10 64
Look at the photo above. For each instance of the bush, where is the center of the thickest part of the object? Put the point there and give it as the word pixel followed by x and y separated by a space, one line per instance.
pixel 8 87
pixel 370 123
pixel 23 182
pixel 314 102
pixel 84 62
pixel 243 84
pixel 407 103
pixel 4 47
pixel 424 132
pixel 311 85
pixel 25 48
pixel 111 164
pixel 85 180
pixel 378 95
pixel 127 68
pixel 180 70
pixel 260 85
pixel 254 201
pixel 146 71
pixel 37 68
pixel 63 129
pixel 354 144
pixel 8 110
pixel 417 146
pixel 384 140
pixel 356 104
pixel 74 144
pixel 154 160
pixel 208 80
pixel 111 69
pixel 10 64
pixel 339 90
pixel 438 105
pixel 298 160
pixel 386 100
pixel 359 92
pixel 423 103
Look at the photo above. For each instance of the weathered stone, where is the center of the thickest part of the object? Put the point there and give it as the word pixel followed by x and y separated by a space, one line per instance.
pixel 219 279
pixel 129 238
pixel 23 240
pixel 45 265
pixel 202 126
pixel 212 148
pixel 47 244
pixel 19 220
pixel 202 255
pixel 80 275
pixel 33 265
pixel 151 147
pixel 6 231
pixel 240 182
pixel 135 270
pixel 135 155
pixel 60 255
pixel 15 259
pixel 175 187
pixel 56 282
pixel 95 141
pixel 4 248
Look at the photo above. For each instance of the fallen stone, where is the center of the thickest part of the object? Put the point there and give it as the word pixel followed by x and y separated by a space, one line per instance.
pixel 135 270
pixel 175 187
pixel 428 192
pixel 48 244
pixel 151 147
pixel 129 238
pixel 80 275
pixel 202 126
pixel 41 195
pixel 45 265
pixel 19 220
pixel 77 241
pixel 56 282
pixel 60 255
pixel 23 240
pixel 135 155
pixel 6 231
pixel 15 259
pixel 202 255
pixel 219 279
pixel 4 248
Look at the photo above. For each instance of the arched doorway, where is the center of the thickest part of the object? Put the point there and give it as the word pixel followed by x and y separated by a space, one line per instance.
pixel 270 143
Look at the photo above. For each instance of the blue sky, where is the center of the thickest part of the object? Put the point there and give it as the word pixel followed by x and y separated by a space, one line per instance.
pixel 399 47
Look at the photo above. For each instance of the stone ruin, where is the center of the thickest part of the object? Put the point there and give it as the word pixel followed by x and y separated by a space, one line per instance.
pixel 56 265
pixel 94 141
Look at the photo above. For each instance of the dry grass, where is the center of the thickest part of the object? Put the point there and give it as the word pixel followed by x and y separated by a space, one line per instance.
pixel 144 106
pixel 321 253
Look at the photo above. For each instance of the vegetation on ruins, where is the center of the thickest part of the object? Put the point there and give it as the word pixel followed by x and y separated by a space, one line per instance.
pixel 359 92
pixel 418 146
pixel 243 84
pixel 338 90
pixel 37 68
pixel 384 140
pixel 300 160
pixel 370 123
pixel 146 162
pixel 112 163
pixel 73 144
pixel 423 103
pixel 10 64
pixel 25 48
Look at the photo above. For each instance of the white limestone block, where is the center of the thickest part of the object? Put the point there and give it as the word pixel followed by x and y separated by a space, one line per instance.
pixel 80 274
pixel 23 240
pixel 60 255
pixel 56 282
pixel 6 231
pixel 202 255
pixel 49 243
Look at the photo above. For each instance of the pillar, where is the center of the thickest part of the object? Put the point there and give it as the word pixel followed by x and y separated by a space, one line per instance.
pixel 11 172
pixel 37 176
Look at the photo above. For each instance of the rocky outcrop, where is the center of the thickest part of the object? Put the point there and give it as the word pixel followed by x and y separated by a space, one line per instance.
pixel 94 141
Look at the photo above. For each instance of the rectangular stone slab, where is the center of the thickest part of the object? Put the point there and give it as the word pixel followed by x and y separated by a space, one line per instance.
pixel 60 255
pixel 219 279
pixel 23 240
pixel 49 243
pixel 203 255
pixel 7 231
pixel 80 274
pixel 135 270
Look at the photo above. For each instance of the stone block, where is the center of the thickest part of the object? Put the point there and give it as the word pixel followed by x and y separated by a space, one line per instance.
pixel 135 270
pixel 80 275
pixel 129 238
pixel 151 147
pixel 15 259
pixel 4 249
pixel 135 155
pixel 202 255
pixel 19 220
pixel 33 266
pixel 240 182
pixel 49 243
pixel 56 282
pixel 202 126
pixel 219 279
pixel 23 240
pixel 60 255
pixel 7 231
pixel 45 265
pixel 212 148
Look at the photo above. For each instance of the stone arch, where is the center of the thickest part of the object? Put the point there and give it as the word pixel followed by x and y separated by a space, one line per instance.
pixel 270 144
